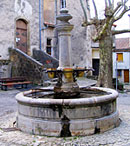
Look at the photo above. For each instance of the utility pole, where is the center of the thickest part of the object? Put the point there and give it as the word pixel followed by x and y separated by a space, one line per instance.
pixel 116 72
pixel 129 28
pixel 129 43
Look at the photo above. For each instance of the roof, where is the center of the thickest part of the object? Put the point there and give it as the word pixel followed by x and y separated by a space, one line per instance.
pixel 95 45
pixel 122 43
pixel 121 50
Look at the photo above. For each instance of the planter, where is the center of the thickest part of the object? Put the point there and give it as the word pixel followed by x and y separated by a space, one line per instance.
pixel 80 72
pixel 51 73
pixel 68 73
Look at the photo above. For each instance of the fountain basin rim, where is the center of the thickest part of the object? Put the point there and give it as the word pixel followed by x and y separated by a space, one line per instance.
pixel 22 98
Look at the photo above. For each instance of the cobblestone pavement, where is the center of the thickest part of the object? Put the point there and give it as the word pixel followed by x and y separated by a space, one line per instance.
pixel 119 136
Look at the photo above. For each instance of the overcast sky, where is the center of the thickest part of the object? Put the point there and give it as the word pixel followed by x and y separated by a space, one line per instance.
pixel 124 23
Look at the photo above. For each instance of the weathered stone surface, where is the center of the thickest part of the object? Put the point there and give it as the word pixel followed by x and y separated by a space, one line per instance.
pixel 78 116
pixel 81 37
pixel 45 59
pixel 119 136
pixel 10 12
pixel 5 68
pixel 24 65
pixel 72 112
pixel 107 122
pixel 39 126
pixel 64 29
pixel 82 127
pixel 29 11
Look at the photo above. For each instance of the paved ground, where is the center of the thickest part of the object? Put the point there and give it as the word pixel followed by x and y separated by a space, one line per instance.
pixel 10 137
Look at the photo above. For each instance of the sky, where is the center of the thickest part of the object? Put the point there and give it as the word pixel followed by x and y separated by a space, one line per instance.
pixel 123 23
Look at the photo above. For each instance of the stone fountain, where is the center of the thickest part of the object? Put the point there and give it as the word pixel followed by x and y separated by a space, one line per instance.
pixel 67 109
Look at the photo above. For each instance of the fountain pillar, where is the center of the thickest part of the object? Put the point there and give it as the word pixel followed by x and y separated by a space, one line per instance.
pixel 64 29
pixel 64 32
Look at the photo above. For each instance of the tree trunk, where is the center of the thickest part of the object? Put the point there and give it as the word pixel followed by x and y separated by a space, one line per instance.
pixel 105 68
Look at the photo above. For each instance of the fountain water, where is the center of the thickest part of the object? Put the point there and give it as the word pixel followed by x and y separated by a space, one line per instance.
pixel 67 109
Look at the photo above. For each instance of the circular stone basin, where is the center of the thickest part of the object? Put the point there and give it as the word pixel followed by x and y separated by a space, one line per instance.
pixel 88 115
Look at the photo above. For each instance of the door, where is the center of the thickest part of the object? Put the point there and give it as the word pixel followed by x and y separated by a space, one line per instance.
pixel 21 35
pixel 96 67
pixel 126 76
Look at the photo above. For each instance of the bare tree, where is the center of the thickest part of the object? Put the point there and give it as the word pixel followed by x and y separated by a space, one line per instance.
pixel 104 34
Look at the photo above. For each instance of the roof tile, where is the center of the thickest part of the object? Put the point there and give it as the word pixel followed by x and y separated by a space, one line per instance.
pixel 122 43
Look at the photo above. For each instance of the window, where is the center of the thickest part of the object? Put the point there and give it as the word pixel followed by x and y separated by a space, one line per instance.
pixel 120 57
pixel 63 3
pixel 119 72
pixel 48 47
pixel 48 50
pixel 48 42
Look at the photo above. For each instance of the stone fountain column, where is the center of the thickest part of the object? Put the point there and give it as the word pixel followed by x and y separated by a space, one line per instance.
pixel 64 29
pixel 64 32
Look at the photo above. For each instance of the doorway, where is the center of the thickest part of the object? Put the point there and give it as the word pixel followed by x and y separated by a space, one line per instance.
pixel 95 67
pixel 126 76
pixel 21 35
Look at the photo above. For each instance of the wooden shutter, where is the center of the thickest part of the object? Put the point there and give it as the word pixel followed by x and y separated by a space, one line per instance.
pixel 120 57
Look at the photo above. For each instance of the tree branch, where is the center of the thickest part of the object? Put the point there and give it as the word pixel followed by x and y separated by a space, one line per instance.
pixel 115 32
pixel 125 1
pixel 88 6
pixel 95 9
pixel 91 22
pixel 113 3
pixel 110 3
pixel 117 8
pixel 106 5
pixel 84 11
pixel 121 15
pixel 102 31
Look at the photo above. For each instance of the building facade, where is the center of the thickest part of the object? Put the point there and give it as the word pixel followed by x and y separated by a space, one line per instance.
pixel 121 60
pixel 81 37
pixel 30 24
pixel 18 29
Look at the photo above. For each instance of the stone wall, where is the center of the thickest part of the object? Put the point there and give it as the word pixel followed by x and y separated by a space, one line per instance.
pixel 10 11
pixel 24 65
pixel 49 8
pixel 44 58
pixel 81 36
pixel 5 68
pixel 29 10
pixel 6 27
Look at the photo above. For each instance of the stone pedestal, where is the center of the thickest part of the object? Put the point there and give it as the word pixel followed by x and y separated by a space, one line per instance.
pixel 64 29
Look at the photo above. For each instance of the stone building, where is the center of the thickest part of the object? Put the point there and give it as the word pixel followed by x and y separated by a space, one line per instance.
pixel 18 29
pixel 20 26
pixel 121 60
pixel 81 37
